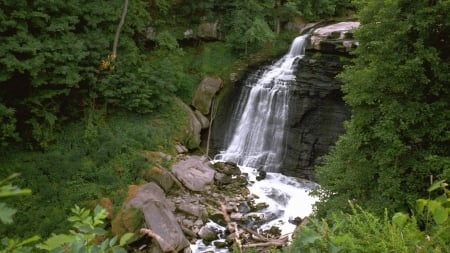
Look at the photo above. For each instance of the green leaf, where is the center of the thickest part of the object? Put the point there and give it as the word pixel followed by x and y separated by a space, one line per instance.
pixel 309 236
pixel 437 185
pixel 440 214
pixel 84 228
pixel 104 244
pixel 6 213
pixel 400 219
pixel 73 218
pixel 119 250
pixel 99 231
pixel 125 238
pixel 30 240
pixel 113 241
pixel 55 241
pixel 420 205
pixel 11 190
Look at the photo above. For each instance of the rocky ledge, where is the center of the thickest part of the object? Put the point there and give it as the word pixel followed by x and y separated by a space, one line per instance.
pixel 334 38
pixel 177 206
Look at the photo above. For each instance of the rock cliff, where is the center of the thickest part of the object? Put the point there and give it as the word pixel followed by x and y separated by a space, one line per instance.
pixel 316 114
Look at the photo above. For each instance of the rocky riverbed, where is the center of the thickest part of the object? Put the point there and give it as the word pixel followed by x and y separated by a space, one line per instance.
pixel 194 204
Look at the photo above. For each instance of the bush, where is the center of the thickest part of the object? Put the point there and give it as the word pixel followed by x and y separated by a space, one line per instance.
pixel 362 231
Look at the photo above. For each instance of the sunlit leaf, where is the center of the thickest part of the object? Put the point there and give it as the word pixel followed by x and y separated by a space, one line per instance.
pixel 125 238
pixel 6 213
pixel 437 185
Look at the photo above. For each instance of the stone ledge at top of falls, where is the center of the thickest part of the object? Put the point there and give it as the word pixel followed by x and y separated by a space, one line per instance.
pixel 335 38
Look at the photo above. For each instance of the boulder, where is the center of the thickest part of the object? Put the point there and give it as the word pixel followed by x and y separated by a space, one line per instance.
pixel 193 209
pixel 336 37
pixel 194 173
pixel 193 128
pixel 222 179
pixel 188 34
pixel 205 92
pixel 208 30
pixel 208 233
pixel 160 176
pixel 204 121
pixel 151 199
pixel 227 168
pixel 181 149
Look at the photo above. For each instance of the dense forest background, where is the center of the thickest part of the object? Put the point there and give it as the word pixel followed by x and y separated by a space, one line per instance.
pixel 80 123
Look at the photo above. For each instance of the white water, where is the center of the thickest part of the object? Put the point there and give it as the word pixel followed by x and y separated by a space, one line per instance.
pixel 258 141
pixel 287 198
pixel 259 136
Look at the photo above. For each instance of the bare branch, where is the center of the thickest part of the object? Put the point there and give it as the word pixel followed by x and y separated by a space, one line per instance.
pixel 158 238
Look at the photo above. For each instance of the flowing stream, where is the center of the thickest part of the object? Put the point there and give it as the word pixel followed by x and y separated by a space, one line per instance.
pixel 257 142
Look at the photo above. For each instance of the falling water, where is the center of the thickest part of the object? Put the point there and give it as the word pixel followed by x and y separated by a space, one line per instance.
pixel 258 138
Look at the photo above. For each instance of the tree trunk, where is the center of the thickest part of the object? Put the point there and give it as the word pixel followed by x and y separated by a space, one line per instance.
pixel 119 28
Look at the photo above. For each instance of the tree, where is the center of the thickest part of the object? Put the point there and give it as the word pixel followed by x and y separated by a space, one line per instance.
pixel 399 92
pixel 55 61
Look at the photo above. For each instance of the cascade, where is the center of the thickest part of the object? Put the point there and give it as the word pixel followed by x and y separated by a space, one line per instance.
pixel 257 139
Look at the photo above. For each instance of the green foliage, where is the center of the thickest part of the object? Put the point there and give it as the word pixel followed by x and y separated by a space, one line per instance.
pixel 398 89
pixel 6 213
pixel 89 160
pixel 9 190
pixel 362 231
pixel 214 58
pixel 87 227
pixel 56 61
pixel 8 125
pixel 56 55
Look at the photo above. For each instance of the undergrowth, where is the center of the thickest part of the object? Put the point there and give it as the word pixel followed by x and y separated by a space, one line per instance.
pixel 89 160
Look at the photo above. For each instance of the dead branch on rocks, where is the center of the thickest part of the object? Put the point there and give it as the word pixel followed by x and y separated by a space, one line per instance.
pixel 266 244
pixel 258 239
pixel 158 238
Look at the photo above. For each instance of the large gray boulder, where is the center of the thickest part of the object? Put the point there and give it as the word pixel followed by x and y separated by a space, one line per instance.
pixel 205 92
pixel 151 199
pixel 336 37
pixel 195 173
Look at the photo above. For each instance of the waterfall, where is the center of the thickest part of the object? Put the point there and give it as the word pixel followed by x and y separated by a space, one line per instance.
pixel 257 139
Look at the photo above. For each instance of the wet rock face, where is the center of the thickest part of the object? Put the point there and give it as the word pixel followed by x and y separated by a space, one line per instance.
pixel 316 114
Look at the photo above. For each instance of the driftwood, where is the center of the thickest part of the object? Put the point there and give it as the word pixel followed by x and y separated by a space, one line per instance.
pixel 259 240
pixel 158 238
pixel 266 244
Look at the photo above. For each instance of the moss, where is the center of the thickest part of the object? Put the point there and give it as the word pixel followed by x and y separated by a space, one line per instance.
pixel 128 220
